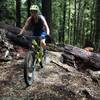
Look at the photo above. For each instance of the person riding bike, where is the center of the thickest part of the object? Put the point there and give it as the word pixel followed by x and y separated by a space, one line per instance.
pixel 38 24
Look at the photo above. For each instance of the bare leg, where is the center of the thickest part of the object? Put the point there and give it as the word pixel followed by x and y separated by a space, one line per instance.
pixel 43 44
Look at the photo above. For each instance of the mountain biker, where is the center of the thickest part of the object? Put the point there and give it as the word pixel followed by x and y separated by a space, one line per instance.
pixel 38 25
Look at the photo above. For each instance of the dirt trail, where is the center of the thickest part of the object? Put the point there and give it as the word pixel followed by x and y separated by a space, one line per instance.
pixel 53 83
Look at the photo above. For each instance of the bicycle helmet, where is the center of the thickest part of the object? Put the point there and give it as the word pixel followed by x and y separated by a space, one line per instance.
pixel 34 7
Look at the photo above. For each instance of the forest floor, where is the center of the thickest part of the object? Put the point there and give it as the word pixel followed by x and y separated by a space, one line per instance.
pixel 56 83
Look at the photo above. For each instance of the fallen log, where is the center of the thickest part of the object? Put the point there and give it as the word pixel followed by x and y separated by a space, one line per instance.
pixel 12 29
pixel 11 33
pixel 87 57
pixel 24 42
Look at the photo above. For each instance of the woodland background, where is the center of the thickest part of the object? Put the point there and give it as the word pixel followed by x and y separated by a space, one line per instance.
pixel 72 73
pixel 75 22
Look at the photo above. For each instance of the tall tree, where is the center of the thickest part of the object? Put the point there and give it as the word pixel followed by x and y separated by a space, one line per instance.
pixel 78 22
pixel 60 31
pixel 18 13
pixel 46 10
pixel 74 33
pixel 63 24
pixel 28 7
pixel 2 9
pixel 69 17
pixel 97 34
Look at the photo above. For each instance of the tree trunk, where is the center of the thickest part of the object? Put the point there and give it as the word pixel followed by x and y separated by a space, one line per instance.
pixel 82 24
pixel 74 33
pixel 60 30
pixel 90 58
pixel 97 35
pixel 69 12
pixel 28 7
pixel 78 27
pixel 46 10
pixel 64 19
pixel 18 13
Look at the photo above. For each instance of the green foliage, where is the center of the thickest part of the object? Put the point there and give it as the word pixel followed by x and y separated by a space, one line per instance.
pixel 79 23
pixel 84 24
pixel 7 11
pixel 56 17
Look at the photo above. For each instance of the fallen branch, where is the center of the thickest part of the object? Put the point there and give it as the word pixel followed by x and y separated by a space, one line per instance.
pixel 64 66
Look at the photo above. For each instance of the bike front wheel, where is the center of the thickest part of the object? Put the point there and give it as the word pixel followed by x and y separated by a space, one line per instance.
pixel 29 67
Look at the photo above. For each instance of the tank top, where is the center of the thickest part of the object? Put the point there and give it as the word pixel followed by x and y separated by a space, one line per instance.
pixel 37 27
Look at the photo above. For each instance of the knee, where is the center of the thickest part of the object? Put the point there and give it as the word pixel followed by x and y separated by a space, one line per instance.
pixel 43 44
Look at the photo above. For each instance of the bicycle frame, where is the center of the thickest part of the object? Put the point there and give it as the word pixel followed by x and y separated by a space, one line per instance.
pixel 35 46
pixel 38 49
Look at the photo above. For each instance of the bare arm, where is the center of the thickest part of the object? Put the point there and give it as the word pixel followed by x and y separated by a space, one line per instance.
pixel 25 26
pixel 46 25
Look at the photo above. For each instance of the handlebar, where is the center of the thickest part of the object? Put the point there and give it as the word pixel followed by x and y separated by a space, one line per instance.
pixel 48 37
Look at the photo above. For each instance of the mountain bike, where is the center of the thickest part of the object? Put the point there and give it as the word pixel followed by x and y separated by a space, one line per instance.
pixel 36 56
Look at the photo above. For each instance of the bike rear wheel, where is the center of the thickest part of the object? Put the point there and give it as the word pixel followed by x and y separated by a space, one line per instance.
pixel 29 67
